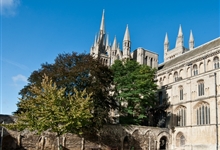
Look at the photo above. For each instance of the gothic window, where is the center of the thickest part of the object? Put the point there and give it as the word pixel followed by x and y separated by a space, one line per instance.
pixel 175 76
pixel 209 65
pixel 203 114
pixel 195 70
pixel 216 62
pixel 181 116
pixel 201 88
pixel 181 92
pixel 180 139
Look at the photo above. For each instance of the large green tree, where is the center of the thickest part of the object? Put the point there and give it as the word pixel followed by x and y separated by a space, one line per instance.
pixel 80 71
pixel 55 110
pixel 135 90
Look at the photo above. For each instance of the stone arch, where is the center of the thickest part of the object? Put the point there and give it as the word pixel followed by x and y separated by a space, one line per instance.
pixel 163 136
pixel 170 78
pixel 175 76
pixel 149 140
pixel 181 75
pixel 201 113
pixel 164 80
pixel 180 139
pixel 188 72
pixel 209 65
pixel 201 67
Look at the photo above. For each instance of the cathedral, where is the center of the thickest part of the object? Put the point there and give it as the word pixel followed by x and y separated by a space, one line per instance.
pixel 189 79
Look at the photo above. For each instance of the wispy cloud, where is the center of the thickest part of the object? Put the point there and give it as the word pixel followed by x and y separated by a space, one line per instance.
pixel 8 7
pixel 21 66
pixel 19 79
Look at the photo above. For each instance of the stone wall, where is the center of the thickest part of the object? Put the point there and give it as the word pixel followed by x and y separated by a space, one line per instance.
pixel 112 137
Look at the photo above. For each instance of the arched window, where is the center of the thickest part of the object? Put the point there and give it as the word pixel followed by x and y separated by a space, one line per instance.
pixel 216 62
pixel 195 70
pixel 201 88
pixel 181 92
pixel 175 76
pixel 181 116
pixel 209 65
pixel 180 140
pixel 203 114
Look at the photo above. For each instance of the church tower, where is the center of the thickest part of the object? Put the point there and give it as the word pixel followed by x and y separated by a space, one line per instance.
pixel 99 43
pixel 126 44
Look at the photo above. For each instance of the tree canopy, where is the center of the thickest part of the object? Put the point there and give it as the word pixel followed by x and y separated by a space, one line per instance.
pixel 135 89
pixel 79 71
pixel 55 110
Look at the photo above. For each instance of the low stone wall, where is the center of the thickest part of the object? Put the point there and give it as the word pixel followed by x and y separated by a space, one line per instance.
pixel 112 137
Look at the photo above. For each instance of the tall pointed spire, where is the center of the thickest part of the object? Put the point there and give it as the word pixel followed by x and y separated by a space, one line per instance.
pixel 166 44
pixel 191 41
pixel 166 41
pixel 179 40
pixel 114 45
pixel 102 26
pixel 127 35
pixel 191 38
pixel 180 33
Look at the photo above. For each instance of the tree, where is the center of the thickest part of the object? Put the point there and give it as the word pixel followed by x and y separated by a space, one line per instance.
pixel 79 71
pixel 135 89
pixel 55 110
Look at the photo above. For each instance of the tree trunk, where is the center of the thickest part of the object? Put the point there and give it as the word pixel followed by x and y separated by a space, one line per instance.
pixel 58 143
pixel 82 143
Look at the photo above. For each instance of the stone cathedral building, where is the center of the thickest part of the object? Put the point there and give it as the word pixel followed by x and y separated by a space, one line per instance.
pixel 189 78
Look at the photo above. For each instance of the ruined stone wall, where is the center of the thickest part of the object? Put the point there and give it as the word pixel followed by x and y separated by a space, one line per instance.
pixel 112 137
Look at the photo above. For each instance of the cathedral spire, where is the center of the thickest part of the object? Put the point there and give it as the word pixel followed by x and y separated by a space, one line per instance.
pixel 102 26
pixel 179 41
pixel 127 35
pixel 191 41
pixel 126 44
pixel 114 45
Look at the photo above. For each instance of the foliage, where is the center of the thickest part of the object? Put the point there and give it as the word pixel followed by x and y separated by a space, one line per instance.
pixel 77 71
pixel 53 109
pixel 135 89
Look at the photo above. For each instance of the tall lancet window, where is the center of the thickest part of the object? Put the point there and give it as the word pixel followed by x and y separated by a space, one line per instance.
pixel 216 62
pixel 195 70
pixel 175 76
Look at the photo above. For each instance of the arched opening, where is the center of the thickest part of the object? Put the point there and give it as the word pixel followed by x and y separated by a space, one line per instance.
pixel 126 143
pixel 163 143
pixel 180 140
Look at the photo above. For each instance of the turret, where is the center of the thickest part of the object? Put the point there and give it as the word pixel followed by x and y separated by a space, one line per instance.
pixel 179 41
pixel 191 41
pixel 126 44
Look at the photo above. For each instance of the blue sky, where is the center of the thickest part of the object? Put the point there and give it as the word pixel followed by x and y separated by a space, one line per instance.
pixel 36 31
